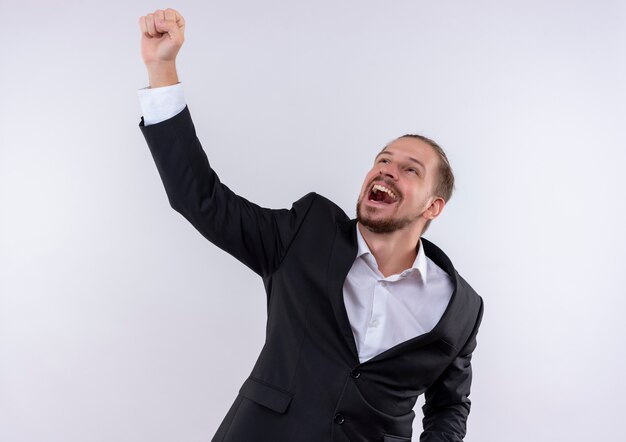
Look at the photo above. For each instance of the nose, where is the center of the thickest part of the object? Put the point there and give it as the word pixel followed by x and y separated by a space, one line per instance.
pixel 388 170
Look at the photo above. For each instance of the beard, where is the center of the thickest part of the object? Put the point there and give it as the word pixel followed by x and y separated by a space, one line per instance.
pixel 384 225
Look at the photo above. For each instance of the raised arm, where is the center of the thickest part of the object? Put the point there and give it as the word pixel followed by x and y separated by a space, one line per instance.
pixel 257 236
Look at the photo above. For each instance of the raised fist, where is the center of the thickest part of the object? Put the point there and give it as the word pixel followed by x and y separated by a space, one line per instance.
pixel 162 35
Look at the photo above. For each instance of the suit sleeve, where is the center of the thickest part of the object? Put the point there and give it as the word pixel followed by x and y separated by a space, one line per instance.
pixel 447 404
pixel 256 236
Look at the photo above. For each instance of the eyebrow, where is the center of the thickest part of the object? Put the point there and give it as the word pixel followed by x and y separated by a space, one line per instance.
pixel 410 158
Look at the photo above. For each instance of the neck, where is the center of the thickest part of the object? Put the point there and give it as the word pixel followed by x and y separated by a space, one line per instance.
pixel 395 251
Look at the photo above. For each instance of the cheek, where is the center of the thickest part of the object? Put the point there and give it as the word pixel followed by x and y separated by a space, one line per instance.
pixel 368 179
pixel 415 199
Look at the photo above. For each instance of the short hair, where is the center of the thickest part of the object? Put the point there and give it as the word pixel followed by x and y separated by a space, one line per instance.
pixel 444 181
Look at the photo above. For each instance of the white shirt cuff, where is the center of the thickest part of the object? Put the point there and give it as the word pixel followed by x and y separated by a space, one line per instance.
pixel 161 103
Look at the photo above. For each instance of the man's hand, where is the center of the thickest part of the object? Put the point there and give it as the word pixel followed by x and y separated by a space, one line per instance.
pixel 162 35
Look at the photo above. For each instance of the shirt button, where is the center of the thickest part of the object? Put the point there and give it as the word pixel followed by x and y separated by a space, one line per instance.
pixel 355 373
pixel 374 323
pixel 339 419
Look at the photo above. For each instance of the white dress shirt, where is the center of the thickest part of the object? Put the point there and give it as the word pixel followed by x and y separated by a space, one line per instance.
pixel 161 103
pixel 383 312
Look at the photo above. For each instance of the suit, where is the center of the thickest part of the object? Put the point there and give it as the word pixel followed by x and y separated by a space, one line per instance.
pixel 307 384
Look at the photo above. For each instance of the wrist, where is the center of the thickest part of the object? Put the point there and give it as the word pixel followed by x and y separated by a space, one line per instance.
pixel 162 74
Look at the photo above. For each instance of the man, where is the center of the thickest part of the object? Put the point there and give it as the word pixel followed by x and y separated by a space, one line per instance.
pixel 363 315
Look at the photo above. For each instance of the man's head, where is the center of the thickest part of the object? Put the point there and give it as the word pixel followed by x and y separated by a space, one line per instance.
pixel 407 187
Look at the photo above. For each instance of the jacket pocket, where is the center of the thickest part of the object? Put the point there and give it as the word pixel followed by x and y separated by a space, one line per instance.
pixel 389 438
pixel 266 395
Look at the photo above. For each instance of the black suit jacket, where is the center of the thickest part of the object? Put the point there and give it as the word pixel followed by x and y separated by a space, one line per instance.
pixel 307 384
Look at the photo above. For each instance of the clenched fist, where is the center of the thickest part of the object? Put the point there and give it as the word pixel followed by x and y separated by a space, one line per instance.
pixel 162 35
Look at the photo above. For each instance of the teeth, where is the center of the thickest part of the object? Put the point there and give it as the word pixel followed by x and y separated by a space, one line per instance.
pixel 378 187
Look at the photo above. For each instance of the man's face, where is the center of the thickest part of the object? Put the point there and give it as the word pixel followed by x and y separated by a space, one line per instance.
pixel 398 189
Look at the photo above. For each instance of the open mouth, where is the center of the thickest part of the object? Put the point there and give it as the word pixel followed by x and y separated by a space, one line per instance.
pixel 382 194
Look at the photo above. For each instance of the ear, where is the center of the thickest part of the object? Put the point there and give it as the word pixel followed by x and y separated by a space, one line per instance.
pixel 435 208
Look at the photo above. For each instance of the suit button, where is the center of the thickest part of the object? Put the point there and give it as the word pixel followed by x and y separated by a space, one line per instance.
pixel 339 419
pixel 355 373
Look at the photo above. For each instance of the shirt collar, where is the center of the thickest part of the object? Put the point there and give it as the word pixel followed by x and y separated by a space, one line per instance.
pixel 419 264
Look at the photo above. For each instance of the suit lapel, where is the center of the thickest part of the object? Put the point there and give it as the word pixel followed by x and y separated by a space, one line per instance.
pixel 342 257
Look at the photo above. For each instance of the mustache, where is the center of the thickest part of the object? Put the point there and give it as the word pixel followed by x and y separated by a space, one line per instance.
pixel 387 183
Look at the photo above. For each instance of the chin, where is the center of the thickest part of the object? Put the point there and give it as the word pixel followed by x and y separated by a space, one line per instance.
pixel 380 225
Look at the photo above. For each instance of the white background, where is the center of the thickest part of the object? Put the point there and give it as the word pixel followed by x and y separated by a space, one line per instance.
pixel 119 322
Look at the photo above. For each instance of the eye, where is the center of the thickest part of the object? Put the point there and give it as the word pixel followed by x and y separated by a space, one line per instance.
pixel 384 160
pixel 413 170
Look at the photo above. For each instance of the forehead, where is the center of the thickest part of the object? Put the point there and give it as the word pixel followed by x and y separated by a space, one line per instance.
pixel 407 148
